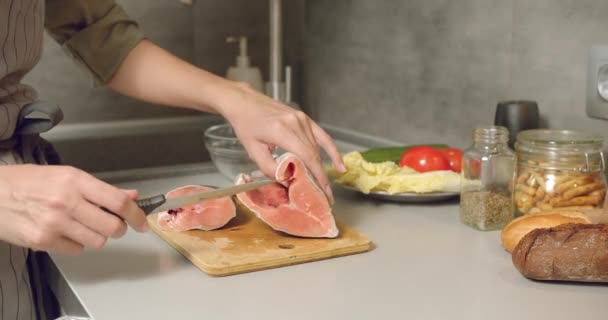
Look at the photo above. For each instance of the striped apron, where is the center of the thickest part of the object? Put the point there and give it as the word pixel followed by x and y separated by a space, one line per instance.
pixel 22 118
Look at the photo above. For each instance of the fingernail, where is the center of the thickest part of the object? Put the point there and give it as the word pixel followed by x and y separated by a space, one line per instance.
pixel 341 168
pixel 330 194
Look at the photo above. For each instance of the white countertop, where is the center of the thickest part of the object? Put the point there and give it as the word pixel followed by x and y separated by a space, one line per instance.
pixel 425 265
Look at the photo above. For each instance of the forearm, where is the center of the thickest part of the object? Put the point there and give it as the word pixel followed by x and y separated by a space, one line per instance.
pixel 151 74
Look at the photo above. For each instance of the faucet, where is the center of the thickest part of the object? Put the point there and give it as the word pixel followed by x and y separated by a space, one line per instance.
pixel 275 87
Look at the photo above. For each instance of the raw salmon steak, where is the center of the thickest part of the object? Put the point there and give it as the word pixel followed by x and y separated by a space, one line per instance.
pixel 206 215
pixel 296 206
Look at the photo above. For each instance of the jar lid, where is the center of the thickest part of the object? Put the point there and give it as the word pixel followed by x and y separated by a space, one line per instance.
pixel 562 148
pixel 491 134
pixel 556 138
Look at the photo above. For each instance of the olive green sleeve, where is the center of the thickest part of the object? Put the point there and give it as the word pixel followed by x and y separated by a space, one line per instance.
pixel 97 33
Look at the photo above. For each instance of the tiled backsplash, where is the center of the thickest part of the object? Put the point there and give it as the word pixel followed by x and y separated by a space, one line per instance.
pixel 428 71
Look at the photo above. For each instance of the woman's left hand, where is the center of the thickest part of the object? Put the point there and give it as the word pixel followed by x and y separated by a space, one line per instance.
pixel 262 123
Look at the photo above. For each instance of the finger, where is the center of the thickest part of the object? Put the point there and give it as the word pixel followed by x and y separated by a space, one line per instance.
pixel 272 147
pixel 263 158
pixel 132 193
pixel 66 246
pixel 317 171
pixel 307 148
pixel 304 123
pixel 305 136
pixel 115 200
pixel 82 235
pixel 329 146
pixel 312 161
pixel 98 220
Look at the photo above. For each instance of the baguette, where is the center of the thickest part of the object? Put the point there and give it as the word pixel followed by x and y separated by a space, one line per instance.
pixel 513 232
pixel 569 252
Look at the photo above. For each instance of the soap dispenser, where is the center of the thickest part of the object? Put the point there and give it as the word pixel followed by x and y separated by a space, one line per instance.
pixel 243 72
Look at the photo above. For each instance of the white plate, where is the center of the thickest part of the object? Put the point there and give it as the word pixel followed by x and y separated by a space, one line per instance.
pixel 405 196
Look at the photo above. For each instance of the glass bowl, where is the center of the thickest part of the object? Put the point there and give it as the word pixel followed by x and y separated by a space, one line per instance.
pixel 226 151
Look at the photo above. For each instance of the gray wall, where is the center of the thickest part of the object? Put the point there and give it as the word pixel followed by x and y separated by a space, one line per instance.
pixel 415 71
pixel 214 20
pixel 431 70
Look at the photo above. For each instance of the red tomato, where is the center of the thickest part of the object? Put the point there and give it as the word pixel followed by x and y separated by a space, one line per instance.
pixel 423 159
pixel 454 156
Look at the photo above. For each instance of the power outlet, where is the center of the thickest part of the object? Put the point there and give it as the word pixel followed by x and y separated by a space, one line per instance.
pixel 597 83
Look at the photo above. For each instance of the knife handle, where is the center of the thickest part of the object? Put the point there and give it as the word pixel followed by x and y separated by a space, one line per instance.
pixel 149 204
pixel 146 204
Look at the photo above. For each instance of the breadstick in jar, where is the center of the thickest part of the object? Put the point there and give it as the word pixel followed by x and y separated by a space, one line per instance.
pixel 582 190
pixel 573 208
pixel 527 190
pixel 531 181
pixel 540 194
pixel 601 194
pixel 555 201
pixel 573 183
pixel 559 177
pixel 521 179
pixel 522 201
pixel 540 180
pixel 578 201
pixel 598 193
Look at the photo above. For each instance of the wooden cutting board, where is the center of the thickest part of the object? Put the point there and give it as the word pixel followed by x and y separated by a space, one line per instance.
pixel 246 244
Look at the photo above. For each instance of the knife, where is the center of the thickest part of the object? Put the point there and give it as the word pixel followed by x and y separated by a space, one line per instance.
pixel 160 203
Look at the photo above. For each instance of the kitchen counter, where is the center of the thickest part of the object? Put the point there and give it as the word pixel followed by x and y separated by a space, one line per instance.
pixel 424 265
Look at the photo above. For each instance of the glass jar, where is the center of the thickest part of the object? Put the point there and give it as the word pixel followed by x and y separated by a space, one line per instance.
pixel 487 172
pixel 558 170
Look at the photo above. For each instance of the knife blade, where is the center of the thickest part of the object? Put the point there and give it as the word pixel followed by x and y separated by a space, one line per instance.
pixel 159 203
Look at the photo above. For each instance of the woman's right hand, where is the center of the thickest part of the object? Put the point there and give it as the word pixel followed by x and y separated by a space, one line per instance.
pixel 56 208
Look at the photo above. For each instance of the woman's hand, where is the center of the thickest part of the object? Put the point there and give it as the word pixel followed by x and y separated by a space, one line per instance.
pixel 152 74
pixel 56 208
pixel 262 123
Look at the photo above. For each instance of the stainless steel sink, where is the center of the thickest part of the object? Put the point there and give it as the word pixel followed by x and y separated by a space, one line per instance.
pixel 127 144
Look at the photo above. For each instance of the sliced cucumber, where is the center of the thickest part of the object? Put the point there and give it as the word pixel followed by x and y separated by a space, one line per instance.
pixel 393 153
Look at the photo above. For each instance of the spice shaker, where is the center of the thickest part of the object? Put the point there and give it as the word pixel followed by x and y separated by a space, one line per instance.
pixel 486 176
pixel 558 170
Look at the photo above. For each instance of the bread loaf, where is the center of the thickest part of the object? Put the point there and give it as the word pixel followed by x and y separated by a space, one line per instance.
pixel 513 232
pixel 569 252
